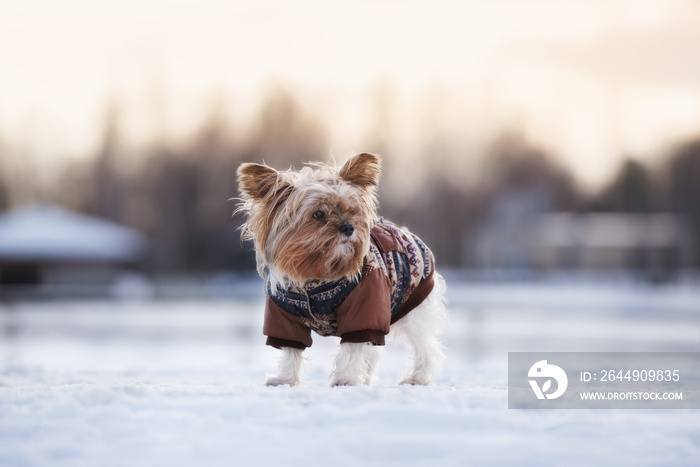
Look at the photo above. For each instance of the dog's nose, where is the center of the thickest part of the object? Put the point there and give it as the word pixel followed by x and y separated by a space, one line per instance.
pixel 347 229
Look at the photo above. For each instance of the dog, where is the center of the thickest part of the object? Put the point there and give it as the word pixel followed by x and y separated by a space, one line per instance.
pixel 332 266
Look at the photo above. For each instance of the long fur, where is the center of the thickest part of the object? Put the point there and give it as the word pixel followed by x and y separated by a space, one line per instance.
pixel 419 331
pixel 290 247
pixel 290 368
pixel 293 246
pixel 354 364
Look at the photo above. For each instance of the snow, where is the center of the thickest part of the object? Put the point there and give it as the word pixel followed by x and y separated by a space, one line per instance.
pixel 179 383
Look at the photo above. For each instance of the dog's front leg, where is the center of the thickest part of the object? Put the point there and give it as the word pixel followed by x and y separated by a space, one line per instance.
pixel 354 364
pixel 290 367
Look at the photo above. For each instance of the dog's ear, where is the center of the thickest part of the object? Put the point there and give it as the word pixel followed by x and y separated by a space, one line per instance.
pixel 257 180
pixel 362 170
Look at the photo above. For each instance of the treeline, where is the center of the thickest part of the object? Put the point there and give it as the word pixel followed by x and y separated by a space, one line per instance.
pixel 179 195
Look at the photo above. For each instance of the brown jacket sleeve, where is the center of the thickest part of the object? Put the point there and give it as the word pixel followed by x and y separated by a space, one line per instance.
pixel 366 314
pixel 284 330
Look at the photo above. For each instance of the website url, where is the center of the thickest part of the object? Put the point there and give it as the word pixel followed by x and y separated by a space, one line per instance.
pixel 631 396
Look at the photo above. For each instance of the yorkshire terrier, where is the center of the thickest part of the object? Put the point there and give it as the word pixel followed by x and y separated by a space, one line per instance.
pixel 331 266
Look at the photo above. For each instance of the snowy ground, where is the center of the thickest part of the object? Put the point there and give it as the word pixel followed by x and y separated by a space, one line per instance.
pixel 179 383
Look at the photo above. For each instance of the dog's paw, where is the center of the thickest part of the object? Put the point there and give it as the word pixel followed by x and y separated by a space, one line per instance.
pixel 414 380
pixel 277 381
pixel 344 382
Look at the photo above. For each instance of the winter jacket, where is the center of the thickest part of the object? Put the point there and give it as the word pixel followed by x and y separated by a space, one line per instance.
pixel 397 276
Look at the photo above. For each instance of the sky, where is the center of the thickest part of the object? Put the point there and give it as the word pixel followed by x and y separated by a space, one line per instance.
pixel 590 81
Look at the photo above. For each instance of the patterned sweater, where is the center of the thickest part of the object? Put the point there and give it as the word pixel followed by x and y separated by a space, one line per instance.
pixel 396 277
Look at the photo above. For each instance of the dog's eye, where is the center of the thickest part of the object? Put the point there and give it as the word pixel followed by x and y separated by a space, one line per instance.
pixel 319 215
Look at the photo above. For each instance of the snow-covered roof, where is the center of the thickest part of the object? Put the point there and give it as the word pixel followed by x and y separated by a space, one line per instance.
pixel 49 233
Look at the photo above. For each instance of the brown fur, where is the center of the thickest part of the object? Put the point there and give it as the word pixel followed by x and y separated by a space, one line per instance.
pixel 290 243
pixel 362 170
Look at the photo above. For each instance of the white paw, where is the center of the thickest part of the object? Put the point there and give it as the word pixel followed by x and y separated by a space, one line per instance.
pixel 345 379
pixel 414 380
pixel 345 382
pixel 277 381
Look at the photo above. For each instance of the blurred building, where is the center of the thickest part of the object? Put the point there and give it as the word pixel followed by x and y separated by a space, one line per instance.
pixel 655 243
pixel 45 244
pixel 521 234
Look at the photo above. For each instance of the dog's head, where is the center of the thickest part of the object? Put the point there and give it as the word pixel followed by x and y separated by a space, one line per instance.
pixel 310 224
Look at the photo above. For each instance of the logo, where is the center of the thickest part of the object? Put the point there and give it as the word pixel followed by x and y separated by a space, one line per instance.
pixel 543 370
